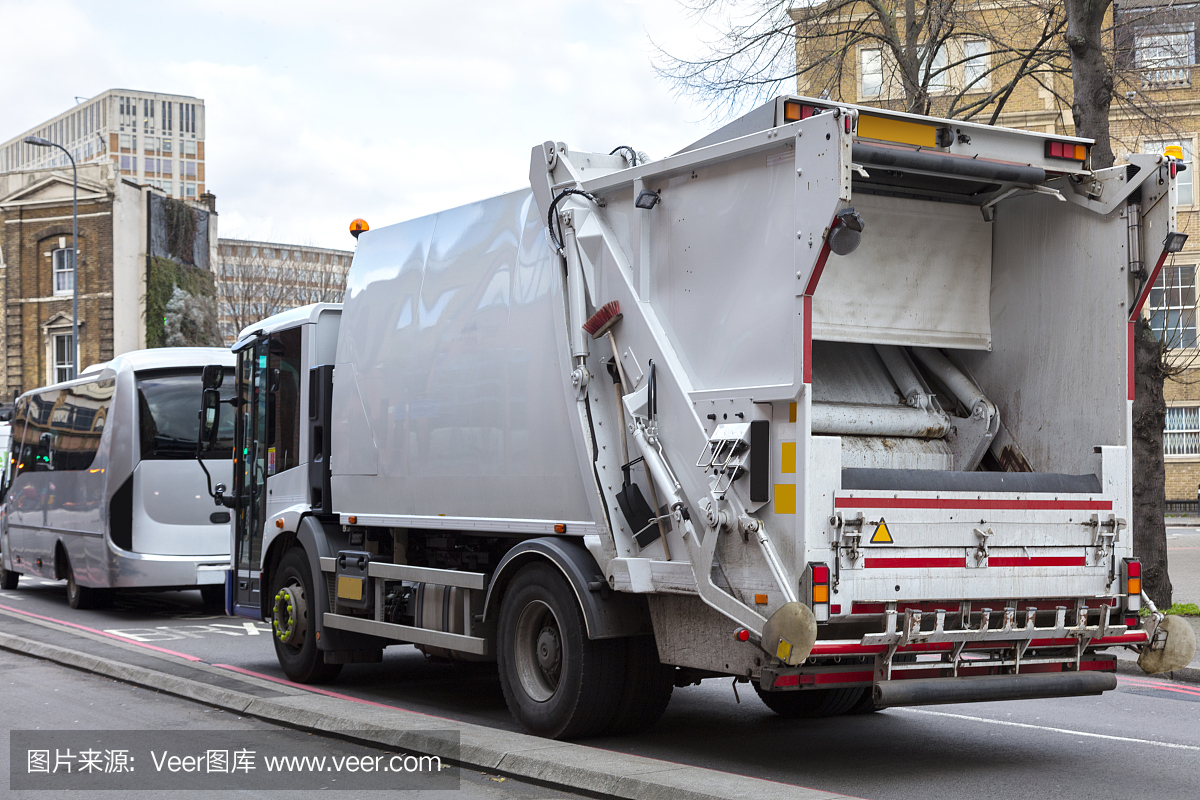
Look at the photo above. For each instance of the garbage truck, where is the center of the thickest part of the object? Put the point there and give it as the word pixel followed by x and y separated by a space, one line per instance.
pixel 835 401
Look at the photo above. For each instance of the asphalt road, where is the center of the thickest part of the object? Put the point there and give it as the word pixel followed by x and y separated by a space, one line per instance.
pixel 47 697
pixel 1142 738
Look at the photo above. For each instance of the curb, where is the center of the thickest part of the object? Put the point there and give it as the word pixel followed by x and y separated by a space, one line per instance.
pixel 558 765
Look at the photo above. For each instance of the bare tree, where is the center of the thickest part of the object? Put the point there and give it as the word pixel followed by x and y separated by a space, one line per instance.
pixel 915 50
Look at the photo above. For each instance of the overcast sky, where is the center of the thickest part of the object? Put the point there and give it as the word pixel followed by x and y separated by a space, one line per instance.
pixel 321 112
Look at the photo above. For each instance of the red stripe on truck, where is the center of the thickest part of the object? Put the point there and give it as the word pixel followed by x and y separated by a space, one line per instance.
pixel 1038 561
pixel 966 503
pixel 912 563
pixel 808 338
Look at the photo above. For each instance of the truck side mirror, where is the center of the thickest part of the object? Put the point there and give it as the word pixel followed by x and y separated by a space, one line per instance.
pixel 213 376
pixel 210 419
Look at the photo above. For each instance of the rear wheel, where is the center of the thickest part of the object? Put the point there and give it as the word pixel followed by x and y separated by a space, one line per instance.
pixel 646 690
pixel 82 597
pixel 811 703
pixel 556 681
pixel 8 579
pixel 294 622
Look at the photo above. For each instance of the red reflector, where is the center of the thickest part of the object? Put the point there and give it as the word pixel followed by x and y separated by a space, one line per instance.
pixel 787 680
pixel 847 123
pixel 1131 622
pixel 742 635
pixel 836 608
pixel 820 574
pixel 1172 169
pixel 1135 569
pixel 1056 149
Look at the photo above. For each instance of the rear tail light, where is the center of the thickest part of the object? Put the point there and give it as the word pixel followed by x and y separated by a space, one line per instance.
pixel 1131 580
pixel 1066 150
pixel 818 590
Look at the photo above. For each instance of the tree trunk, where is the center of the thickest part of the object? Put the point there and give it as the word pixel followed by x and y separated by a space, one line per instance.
pixel 1093 82
pixel 1149 477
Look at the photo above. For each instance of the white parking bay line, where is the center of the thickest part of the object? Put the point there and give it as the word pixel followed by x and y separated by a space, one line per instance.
pixel 1172 745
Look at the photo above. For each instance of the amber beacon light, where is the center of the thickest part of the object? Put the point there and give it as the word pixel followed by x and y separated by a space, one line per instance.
pixel 358 226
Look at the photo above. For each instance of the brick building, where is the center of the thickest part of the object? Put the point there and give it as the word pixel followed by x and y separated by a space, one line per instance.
pixel 118 231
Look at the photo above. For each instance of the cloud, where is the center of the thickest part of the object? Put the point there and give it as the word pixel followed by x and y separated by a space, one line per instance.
pixel 317 114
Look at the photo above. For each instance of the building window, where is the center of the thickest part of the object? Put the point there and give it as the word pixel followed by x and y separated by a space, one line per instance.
pixel 975 65
pixel 1173 307
pixel 63 271
pixel 1183 180
pixel 189 148
pixel 166 145
pixel 125 142
pixel 871 73
pixel 1164 57
pixel 190 191
pixel 939 78
pixel 64 367
pixel 1182 436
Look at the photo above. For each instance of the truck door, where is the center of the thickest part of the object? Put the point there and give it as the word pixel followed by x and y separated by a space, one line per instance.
pixel 250 472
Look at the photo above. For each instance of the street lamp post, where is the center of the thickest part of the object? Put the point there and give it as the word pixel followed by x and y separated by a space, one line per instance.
pixel 38 141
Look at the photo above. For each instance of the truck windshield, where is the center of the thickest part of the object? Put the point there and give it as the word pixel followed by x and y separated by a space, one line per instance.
pixel 167 403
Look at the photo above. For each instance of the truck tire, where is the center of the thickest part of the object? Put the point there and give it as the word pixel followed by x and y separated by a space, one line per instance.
pixel 810 703
pixel 557 682
pixel 9 579
pixel 294 629
pixel 646 691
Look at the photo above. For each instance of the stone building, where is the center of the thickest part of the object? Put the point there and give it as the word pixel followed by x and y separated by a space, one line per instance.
pixel 1155 106
pixel 121 233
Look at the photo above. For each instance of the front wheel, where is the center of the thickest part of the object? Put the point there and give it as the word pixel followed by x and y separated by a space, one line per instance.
pixel 294 622
pixel 557 682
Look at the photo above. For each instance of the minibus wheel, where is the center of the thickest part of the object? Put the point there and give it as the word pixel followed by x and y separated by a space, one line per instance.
pixel 82 597
pixel 294 622
pixel 556 681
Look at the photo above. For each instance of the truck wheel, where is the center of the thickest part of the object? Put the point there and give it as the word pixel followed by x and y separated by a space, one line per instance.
pixel 294 628
pixel 810 703
pixel 556 681
pixel 646 691
pixel 8 579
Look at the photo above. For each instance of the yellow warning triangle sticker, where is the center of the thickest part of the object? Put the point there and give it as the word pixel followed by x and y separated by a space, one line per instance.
pixel 882 535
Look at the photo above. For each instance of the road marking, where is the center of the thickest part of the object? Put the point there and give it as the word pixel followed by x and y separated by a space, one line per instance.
pixel 19 613
pixel 1067 731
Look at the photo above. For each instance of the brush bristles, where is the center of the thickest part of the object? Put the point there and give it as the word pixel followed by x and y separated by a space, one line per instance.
pixel 605 317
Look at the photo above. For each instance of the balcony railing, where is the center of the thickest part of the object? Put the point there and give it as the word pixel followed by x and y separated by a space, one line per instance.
pixel 1167 77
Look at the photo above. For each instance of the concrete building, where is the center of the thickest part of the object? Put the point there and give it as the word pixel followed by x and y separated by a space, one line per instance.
pixel 257 279
pixel 154 139
pixel 123 233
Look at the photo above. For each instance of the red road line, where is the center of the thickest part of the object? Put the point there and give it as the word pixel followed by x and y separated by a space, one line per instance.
pixel 326 692
pixel 102 633
pixel 1194 692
